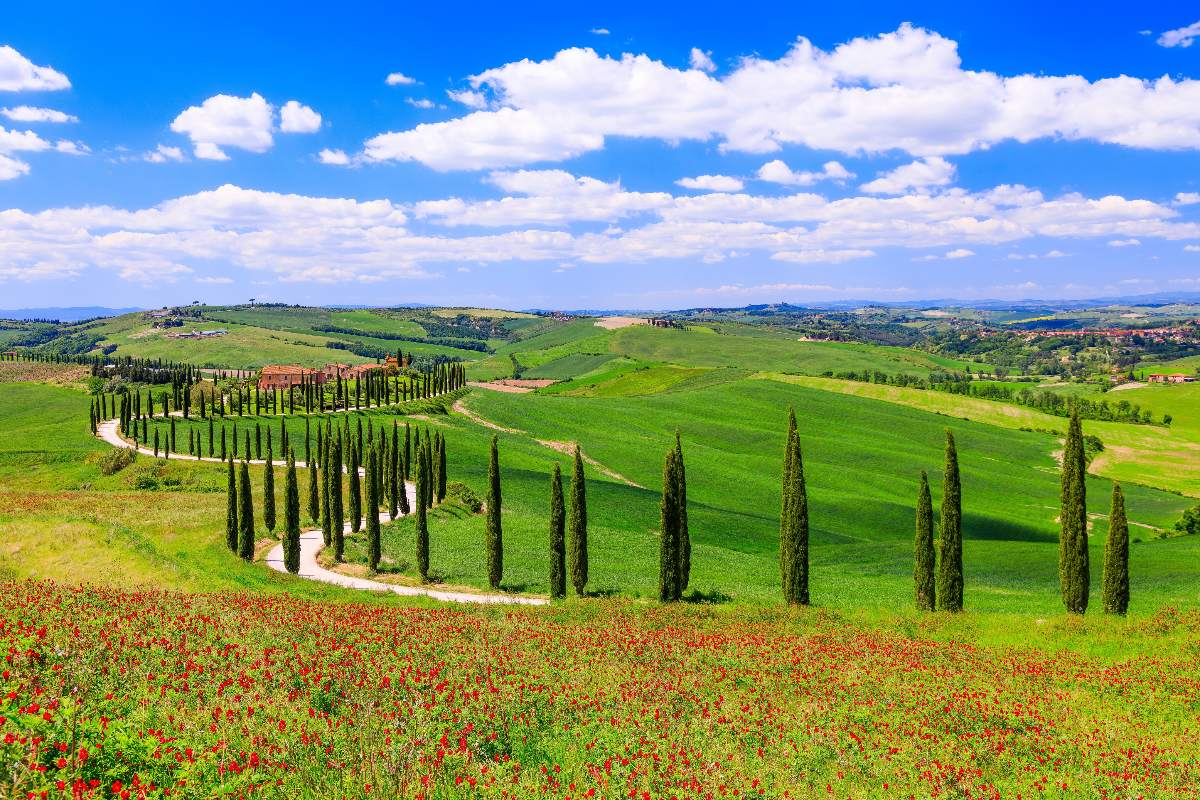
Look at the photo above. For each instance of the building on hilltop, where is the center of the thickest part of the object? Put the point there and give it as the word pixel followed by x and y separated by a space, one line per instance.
pixel 276 376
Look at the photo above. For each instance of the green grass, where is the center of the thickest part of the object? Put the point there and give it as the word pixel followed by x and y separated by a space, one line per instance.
pixel 570 365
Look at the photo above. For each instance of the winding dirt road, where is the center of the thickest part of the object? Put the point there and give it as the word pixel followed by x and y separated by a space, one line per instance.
pixel 311 545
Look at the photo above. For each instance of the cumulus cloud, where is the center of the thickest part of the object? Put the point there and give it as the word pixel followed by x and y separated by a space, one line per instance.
pixel 423 102
pixel 34 114
pixel 223 120
pixel 335 157
pixel 1180 37
pixel 19 74
pixel 164 153
pixel 778 172
pixel 600 31
pixel 1187 198
pixel 919 175
pixel 12 168
pixel 960 252
pixel 399 79
pixel 548 216
pixel 1124 243
pixel 905 90
pixel 701 60
pixel 297 118
pixel 712 183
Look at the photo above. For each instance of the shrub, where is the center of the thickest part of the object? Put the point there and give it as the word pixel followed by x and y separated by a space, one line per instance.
pixel 113 461
pixel 1189 523
pixel 463 495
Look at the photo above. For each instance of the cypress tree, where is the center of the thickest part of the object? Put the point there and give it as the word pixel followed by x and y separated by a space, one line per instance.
pixel 436 463
pixel 395 485
pixel 269 492
pixel 222 442
pixel 785 515
pixel 495 535
pixel 441 471
pixel 422 521
pixel 796 590
pixel 950 570
pixel 245 515
pixel 923 556
pixel 335 497
pixel 668 550
pixel 685 539
pixel 577 545
pixel 156 441
pixel 257 441
pixel 558 545
pixel 408 465
pixel 1116 557
pixel 1073 569
pixel 327 494
pixel 314 501
pixel 246 451
pixel 355 490
pixel 372 510
pixel 291 518
pixel 231 509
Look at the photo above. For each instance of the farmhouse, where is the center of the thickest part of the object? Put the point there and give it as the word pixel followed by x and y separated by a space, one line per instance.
pixel 1174 377
pixel 275 376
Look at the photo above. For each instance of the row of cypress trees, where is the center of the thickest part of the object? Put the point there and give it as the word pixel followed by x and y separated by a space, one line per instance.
pixel 568 531
pixel 938 578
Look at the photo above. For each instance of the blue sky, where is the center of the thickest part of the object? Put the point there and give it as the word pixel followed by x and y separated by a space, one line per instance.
pixel 540 155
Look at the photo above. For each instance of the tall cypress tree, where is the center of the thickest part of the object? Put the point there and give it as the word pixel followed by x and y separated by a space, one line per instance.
pixel 231 507
pixel 395 485
pixel 372 510
pixel 495 534
pixel 408 465
pixel 796 589
pixel 327 494
pixel 441 470
pixel 668 550
pixel 1073 569
pixel 685 539
pixel 950 570
pixel 923 556
pixel 338 517
pixel 291 518
pixel 245 515
pixel 355 489
pixel 1116 557
pixel 422 521
pixel 558 545
pixel 786 547
pixel 436 463
pixel 577 543
pixel 269 491
pixel 314 496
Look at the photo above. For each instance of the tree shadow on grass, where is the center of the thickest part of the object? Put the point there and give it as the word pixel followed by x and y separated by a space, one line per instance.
pixel 980 527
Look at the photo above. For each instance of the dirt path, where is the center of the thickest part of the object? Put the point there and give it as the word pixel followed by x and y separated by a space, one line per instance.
pixel 311 545
pixel 562 447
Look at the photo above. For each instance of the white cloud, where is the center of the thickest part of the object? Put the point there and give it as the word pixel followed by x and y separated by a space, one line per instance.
pixel 899 91
pixel 335 157
pixel 778 172
pixel 209 152
pixel 12 168
pixel 1187 198
pixel 961 252
pixel 423 102
pixel 468 98
pixel 701 60
pixel 215 280
pixel 19 74
pixel 399 79
pixel 600 31
pixel 223 120
pixel 920 175
pixel 34 114
pixel 821 256
pixel 1191 248
pixel 297 118
pixel 712 183
pixel 71 148
pixel 1180 37
pixel 163 153
pixel 1124 243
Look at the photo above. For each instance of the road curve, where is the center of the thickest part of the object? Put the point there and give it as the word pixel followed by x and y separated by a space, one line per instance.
pixel 311 545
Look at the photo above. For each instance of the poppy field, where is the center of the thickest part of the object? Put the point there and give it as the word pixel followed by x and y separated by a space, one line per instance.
pixel 138 694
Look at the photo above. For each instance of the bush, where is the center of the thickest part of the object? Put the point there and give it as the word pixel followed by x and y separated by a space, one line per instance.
pixel 463 495
pixel 113 461
pixel 1190 522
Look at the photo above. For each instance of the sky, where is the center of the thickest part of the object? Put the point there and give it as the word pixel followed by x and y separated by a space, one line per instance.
pixel 615 155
